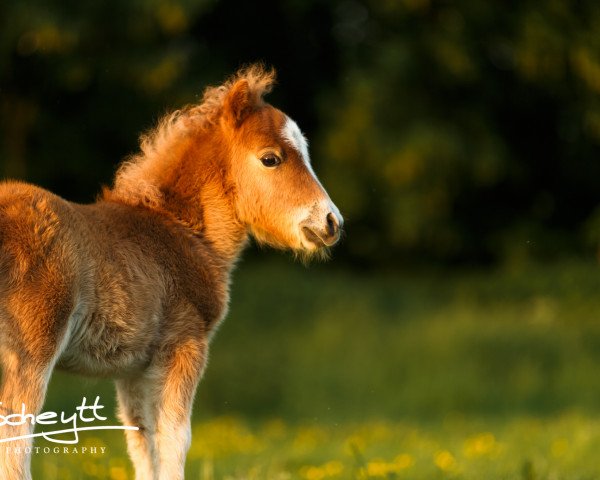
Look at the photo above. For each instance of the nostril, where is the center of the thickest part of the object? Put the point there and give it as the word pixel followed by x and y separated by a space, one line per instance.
pixel 332 225
pixel 322 235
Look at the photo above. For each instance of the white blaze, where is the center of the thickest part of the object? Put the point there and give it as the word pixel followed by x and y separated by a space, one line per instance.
pixel 292 134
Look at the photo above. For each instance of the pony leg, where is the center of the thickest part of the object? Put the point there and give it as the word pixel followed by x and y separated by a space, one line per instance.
pixel 35 308
pixel 135 409
pixel 23 382
pixel 179 374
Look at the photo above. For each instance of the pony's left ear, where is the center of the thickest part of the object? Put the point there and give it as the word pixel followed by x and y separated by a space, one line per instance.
pixel 239 102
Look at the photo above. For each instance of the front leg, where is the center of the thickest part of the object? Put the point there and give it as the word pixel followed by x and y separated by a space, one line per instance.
pixel 136 409
pixel 177 375
pixel 23 382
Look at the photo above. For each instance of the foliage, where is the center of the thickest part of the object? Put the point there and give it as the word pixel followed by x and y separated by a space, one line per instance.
pixel 464 132
pixel 77 78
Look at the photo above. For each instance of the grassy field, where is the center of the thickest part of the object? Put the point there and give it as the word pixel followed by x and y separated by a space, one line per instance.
pixel 528 448
pixel 319 373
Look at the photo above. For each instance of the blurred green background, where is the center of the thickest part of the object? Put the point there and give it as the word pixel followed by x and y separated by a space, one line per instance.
pixel 461 142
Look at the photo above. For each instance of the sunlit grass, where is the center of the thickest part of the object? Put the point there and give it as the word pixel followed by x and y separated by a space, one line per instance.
pixel 561 447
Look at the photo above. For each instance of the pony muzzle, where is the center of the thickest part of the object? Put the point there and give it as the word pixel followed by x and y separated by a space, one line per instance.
pixel 324 233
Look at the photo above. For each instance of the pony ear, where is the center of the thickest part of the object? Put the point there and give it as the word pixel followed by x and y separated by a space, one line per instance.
pixel 239 102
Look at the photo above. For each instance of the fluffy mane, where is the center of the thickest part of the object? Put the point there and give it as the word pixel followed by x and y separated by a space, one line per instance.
pixel 133 182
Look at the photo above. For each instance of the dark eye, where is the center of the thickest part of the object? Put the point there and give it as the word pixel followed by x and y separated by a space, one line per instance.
pixel 270 160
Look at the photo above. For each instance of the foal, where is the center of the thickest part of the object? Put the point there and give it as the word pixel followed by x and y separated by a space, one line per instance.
pixel 133 286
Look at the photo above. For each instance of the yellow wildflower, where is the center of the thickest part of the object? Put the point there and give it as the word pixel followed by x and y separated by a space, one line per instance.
pixel 333 468
pixel 379 468
pixel 330 469
pixel 480 445
pixel 445 461
pixel 118 473
pixel 403 461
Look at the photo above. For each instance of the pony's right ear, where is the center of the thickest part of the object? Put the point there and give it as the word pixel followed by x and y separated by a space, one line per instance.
pixel 239 102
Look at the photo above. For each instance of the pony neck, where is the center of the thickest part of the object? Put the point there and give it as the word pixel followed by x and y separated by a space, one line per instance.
pixel 189 184
pixel 197 193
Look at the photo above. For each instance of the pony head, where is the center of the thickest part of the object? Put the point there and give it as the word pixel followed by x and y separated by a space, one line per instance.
pixel 276 192
pixel 231 165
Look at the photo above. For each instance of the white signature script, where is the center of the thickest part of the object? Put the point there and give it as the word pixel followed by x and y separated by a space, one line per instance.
pixel 82 414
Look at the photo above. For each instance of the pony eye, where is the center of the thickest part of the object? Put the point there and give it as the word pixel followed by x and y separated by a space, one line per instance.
pixel 270 160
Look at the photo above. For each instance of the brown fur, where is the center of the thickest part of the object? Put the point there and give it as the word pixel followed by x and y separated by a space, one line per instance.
pixel 133 285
